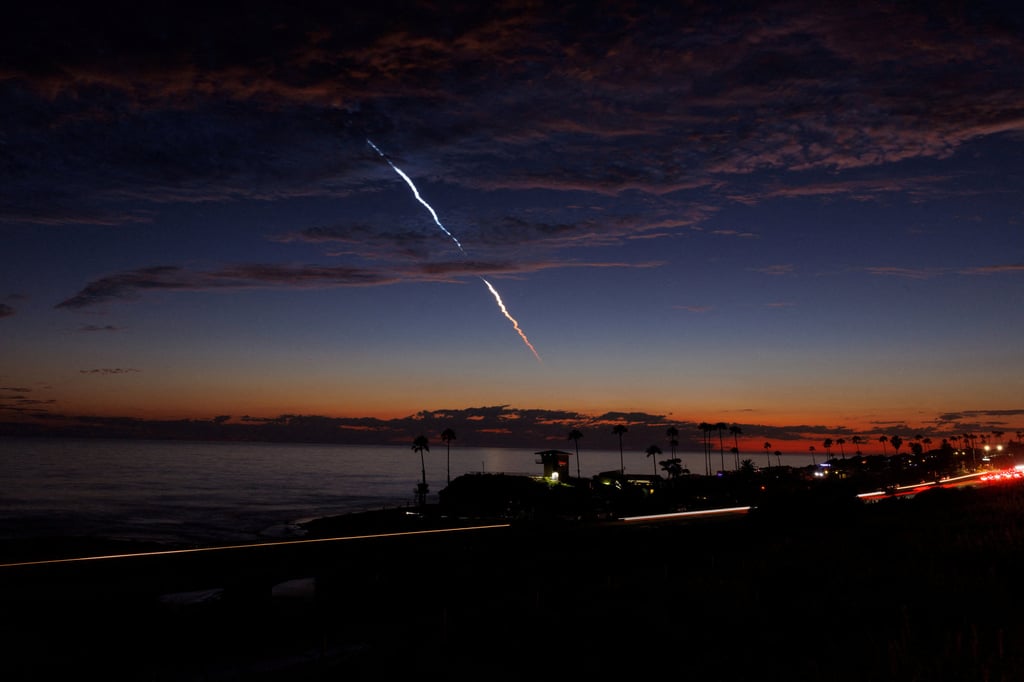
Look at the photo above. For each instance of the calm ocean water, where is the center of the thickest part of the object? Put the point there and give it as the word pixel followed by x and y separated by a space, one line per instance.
pixel 210 493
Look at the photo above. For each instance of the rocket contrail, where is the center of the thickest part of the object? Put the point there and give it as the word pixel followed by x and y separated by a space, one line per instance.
pixel 494 292
pixel 416 193
pixel 504 311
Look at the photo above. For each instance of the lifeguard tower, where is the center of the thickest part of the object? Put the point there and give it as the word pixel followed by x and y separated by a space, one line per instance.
pixel 556 463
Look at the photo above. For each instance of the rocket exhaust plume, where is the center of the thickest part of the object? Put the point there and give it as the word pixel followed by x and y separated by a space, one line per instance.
pixel 433 213
pixel 416 193
pixel 504 311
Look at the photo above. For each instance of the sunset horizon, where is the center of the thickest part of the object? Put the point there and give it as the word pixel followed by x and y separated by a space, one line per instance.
pixel 775 215
pixel 530 428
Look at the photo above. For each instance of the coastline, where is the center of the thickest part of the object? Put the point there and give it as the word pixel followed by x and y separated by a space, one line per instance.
pixel 895 581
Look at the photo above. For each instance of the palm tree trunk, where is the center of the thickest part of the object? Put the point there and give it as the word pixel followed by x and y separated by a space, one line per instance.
pixel 707 453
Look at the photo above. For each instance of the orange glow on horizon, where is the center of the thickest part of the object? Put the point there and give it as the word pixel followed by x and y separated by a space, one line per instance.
pixel 138 396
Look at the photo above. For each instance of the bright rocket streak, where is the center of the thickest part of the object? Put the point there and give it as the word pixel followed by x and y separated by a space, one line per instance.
pixel 497 296
pixel 416 193
pixel 504 311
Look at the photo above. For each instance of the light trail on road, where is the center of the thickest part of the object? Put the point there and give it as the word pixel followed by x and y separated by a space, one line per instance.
pixel 255 545
pixel 689 514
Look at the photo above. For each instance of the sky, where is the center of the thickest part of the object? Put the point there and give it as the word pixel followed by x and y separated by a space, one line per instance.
pixel 800 218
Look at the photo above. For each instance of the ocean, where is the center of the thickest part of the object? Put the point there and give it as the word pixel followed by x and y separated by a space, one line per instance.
pixel 208 493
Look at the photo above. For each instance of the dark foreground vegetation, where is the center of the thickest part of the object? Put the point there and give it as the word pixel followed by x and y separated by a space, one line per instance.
pixel 911 588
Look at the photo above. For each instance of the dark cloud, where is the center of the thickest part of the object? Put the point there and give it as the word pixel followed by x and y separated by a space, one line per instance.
pixel 165 104
pixel 17 400
pixel 130 285
pixel 6 310
pixel 504 426
pixel 127 285
pixel 110 370
pixel 976 418
pixel 99 328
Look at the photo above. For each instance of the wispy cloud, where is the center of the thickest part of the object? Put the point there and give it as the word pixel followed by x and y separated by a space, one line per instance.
pixel 777 270
pixel 133 284
pixel 1013 268
pixel 734 233
pixel 980 420
pixel 964 414
pixel 17 399
pixel 908 273
pixel 929 273
pixel 89 328
pixel 110 370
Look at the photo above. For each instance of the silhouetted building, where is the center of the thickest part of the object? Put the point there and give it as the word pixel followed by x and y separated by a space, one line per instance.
pixel 556 463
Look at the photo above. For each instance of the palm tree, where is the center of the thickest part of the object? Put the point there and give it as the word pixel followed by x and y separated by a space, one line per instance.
pixel 778 457
pixel 673 439
pixel 419 444
pixel 721 426
pixel 840 442
pixel 448 436
pixel 883 440
pixel 575 436
pixel 856 440
pixel 653 451
pixel 671 467
pixel 827 443
pixel 895 441
pixel 618 430
pixel 814 462
pixel 706 429
pixel 735 430
pixel 768 454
